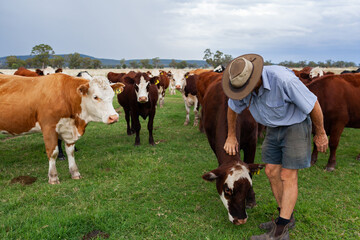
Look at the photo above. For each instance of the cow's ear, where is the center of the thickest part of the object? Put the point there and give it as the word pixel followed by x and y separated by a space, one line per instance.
pixel 59 70
pixel 118 87
pixel 83 89
pixel 255 168
pixel 39 72
pixel 154 80
pixel 212 175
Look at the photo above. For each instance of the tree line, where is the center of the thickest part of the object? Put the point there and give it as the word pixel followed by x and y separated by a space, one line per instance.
pixel 44 55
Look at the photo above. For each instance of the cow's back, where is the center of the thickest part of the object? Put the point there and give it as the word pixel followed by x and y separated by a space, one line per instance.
pixel 215 124
pixel 26 101
pixel 339 98
pixel 205 79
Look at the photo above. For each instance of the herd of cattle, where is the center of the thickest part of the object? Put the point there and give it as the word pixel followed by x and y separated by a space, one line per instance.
pixel 60 106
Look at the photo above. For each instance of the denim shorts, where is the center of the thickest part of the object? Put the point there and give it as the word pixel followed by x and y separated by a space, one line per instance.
pixel 289 146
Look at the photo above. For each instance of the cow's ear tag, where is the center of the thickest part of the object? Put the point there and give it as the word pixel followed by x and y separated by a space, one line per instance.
pixel 118 90
pixel 157 82
pixel 186 76
pixel 258 172
pixel 162 73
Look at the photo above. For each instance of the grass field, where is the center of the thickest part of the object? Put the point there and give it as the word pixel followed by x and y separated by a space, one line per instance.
pixel 156 192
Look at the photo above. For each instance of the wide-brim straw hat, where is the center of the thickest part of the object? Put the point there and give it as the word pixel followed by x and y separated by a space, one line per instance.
pixel 242 75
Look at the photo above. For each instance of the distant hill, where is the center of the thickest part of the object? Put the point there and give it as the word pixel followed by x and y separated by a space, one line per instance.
pixel 113 62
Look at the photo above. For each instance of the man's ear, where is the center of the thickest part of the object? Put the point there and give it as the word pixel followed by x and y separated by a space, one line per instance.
pixel 83 89
pixel 255 168
pixel 118 87
pixel 212 175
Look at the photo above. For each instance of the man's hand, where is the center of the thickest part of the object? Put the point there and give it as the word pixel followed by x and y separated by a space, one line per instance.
pixel 231 146
pixel 321 142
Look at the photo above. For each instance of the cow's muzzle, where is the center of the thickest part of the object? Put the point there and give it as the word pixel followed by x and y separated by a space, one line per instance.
pixel 113 118
pixel 239 221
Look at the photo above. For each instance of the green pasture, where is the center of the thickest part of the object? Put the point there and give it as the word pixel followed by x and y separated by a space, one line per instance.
pixel 156 192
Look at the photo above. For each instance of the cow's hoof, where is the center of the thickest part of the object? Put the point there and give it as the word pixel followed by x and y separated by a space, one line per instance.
pixel 52 182
pixel 61 158
pixel 186 123
pixel 137 144
pixel 330 169
pixel 76 177
pixel 358 157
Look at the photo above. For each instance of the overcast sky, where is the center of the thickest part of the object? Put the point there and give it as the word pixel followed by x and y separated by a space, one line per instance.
pixel 173 29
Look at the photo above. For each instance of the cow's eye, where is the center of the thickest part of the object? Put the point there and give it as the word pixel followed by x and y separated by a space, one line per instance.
pixel 96 98
pixel 227 191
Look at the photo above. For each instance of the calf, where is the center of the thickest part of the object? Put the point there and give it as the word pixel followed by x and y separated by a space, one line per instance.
pixel 339 98
pixel 139 99
pixel 59 106
pixel 187 86
pixel 233 177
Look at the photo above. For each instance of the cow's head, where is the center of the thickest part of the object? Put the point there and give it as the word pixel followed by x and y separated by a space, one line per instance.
pixel 180 80
pixel 97 97
pixel 85 74
pixel 233 183
pixel 141 83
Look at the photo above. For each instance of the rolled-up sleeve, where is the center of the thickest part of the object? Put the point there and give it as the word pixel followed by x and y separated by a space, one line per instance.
pixel 300 95
pixel 236 105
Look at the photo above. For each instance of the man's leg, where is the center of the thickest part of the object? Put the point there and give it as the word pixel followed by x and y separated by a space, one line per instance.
pixel 289 178
pixel 273 172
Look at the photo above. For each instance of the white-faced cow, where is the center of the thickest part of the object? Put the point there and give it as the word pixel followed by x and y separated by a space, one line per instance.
pixel 59 106
pixel 139 99
pixel 233 176
pixel 186 84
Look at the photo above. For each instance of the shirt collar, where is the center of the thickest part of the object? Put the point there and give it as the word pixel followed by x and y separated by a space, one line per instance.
pixel 265 82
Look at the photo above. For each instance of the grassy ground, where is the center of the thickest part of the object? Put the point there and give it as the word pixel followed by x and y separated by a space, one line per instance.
pixel 157 192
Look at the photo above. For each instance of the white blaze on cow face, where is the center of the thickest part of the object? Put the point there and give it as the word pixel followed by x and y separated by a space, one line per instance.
pixel 236 174
pixel 179 80
pixel 142 91
pixel 96 104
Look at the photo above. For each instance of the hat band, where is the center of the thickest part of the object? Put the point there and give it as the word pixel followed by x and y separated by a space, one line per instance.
pixel 244 76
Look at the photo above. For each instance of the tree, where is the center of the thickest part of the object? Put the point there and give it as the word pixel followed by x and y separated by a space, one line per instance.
pixel 14 62
pixel 156 62
pixel 57 61
pixel 217 58
pixel 134 64
pixel 122 63
pixel 42 54
pixel 86 62
pixel 74 60
pixel 96 63
pixel 145 63
pixel 173 63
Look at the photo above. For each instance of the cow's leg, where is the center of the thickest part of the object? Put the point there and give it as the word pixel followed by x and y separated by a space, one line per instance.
pixel 150 128
pixel 74 171
pixel 137 127
pixel 196 112
pixel 187 118
pixel 129 131
pixel 314 155
pixel 50 139
pixel 333 144
pixel 249 157
pixel 61 155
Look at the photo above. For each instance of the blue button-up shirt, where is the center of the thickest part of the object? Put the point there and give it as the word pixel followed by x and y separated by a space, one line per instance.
pixel 282 99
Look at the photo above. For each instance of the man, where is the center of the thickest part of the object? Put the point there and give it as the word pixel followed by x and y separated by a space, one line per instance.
pixel 279 100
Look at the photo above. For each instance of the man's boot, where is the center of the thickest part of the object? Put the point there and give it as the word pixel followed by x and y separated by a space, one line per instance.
pixel 268 225
pixel 277 232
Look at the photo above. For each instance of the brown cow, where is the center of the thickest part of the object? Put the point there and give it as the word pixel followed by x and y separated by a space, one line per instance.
pixel 187 86
pixel 163 84
pixel 339 98
pixel 233 177
pixel 139 99
pixel 28 73
pixel 115 77
pixel 59 106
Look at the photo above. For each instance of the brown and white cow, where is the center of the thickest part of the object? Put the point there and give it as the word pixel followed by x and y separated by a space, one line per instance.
pixel 233 176
pixel 162 85
pixel 59 106
pixel 186 84
pixel 339 98
pixel 139 99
